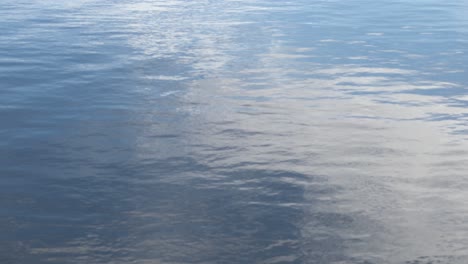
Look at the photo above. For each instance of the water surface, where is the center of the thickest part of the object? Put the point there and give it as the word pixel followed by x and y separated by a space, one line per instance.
pixel 233 131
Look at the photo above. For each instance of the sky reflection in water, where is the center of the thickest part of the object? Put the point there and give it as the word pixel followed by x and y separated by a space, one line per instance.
pixel 233 132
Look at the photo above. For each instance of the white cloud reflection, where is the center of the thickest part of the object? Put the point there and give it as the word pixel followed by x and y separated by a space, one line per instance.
pixel 368 129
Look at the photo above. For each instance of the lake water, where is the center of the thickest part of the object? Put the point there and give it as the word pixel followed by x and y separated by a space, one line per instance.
pixel 235 131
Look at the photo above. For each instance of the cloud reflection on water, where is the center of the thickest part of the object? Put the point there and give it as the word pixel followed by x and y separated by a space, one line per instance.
pixel 369 130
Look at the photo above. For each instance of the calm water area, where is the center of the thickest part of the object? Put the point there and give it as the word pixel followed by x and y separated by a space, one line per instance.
pixel 233 131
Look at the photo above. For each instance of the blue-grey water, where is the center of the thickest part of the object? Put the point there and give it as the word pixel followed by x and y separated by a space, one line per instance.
pixel 233 131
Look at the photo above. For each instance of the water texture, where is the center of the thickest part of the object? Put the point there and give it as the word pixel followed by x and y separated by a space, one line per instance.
pixel 233 131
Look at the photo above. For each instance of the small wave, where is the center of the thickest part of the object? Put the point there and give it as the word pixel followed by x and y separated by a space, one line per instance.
pixel 170 93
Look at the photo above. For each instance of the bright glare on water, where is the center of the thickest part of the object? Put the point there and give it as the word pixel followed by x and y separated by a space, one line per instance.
pixel 233 131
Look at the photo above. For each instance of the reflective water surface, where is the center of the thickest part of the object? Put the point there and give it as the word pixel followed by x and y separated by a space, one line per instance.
pixel 233 131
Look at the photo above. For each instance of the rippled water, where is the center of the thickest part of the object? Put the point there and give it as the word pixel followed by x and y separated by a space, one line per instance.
pixel 235 131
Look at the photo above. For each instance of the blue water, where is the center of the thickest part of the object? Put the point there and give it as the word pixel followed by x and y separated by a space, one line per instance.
pixel 235 131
